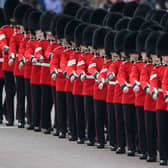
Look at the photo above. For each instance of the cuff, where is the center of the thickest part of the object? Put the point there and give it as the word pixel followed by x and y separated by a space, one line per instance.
pixel 95 75
pixel 123 86
pixel 65 74
pixel 50 56
pixel 166 96
pixel 154 93
pixel 134 85
pixel 145 88
pixel 22 60
pixel 31 58
pixel 53 72
pixel 81 74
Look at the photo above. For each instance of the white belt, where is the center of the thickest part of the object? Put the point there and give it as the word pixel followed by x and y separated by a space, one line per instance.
pixel 59 70
pixel 160 90
pixel 1 59
pixel 128 85
pixel 42 64
pixel 89 77
pixel 113 82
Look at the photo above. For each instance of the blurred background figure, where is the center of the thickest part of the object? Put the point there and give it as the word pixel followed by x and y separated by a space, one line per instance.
pixel 2 3
pixel 54 5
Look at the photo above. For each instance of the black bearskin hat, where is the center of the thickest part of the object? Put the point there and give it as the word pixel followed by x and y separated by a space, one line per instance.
pixel 142 10
pixel 88 33
pixel 157 16
pixel 25 18
pixel 111 19
pixel 9 7
pixel 155 27
pixel 161 45
pixel 118 7
pixel 150 43
pixel 99 36
pixel 122 23
pixel 109 42
pixel 71 8
pixel 2 16
pixel 140 40
pixel 34 20
pixel 98 16
pixel 61 24
pixel 119 41
pixel 70 29
pixel 86 15
pixel 149 15
pixel 164 19
pixel 54 23
pixel 78 35
pixel 80 12
pixel 146 25
pixel 130 8
pixel 19 13
pixel 135 23
pixel 45 20
pixel 130 43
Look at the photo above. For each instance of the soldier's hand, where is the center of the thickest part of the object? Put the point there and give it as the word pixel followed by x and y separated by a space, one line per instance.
pixel 100 86
pixel 136 88
pixel 166 100
pixel 21 65
pixel 110 77
pixel 148 91
pixel 10 62
pixel 154 96
pixel 54 76
pixel 5 50
pixel 72 78
pixel 83 77
pixel 41 59
pixel 126 89
pixel 34 61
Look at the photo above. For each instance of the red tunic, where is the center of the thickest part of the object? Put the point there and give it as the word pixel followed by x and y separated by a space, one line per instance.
pixel 124 80
pixel 55 68
pixel 6 32
pixel 14 45
pixel 135 80
pixel 72 70
pixel 82 67
pixel 156 86
pixel 98 65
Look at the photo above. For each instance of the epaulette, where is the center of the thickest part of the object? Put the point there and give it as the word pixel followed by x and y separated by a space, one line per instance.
pixel 76 52
pixel 57 48
pixel 68 49
pixel 124 62
pixel 147 64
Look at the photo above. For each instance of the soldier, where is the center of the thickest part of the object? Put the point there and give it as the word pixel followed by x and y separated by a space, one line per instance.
pixel 111 82
pixel 87 79
pixel 56 74
pixel 156 80
pixel 97 66
pixel 117 98
pixel 139 93
pixel 13 60
pixel 128 97
pixel 70 83
pixel 25 64
pixel 149 103
pixel 30 55
pixel 6 33
pixel 42 57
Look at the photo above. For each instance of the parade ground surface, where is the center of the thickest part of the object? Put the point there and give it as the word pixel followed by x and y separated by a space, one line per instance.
pixel 26 149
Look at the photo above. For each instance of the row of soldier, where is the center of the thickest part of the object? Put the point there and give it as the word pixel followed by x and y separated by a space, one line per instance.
pixel 100 69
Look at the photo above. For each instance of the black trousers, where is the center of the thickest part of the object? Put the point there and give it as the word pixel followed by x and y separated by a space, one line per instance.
pixel 100 110
pixel 29 101
pixel 111 124
pixel 131 125
pixel 61 108
pixel 2 106
pixel 10 93
pixel 46 106
pixel 53 91
pixel 71 114
pixel 90 117
pixel 163 136
pixel 120 124
pixel 36 104
pixel 20 90
pixel 80 116
pixel 151 130
pixel 141 129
